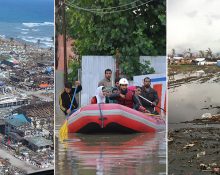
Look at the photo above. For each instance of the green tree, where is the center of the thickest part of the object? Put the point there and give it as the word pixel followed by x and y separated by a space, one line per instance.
pixel 138 28
pixel 74 65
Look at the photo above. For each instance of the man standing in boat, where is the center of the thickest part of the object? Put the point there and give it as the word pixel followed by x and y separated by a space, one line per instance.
pixel 149 94
pixel 106 82
pixel 66 96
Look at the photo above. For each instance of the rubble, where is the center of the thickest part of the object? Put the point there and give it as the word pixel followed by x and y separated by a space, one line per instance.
pixel 26 93
pixel 7 169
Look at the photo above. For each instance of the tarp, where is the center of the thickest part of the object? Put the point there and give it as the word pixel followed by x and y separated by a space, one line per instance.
pixel 17 120
pixel 44 85
pixel 49 69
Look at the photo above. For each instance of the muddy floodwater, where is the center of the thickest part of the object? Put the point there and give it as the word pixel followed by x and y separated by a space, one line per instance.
pixel 111 154
pixel 190 101
pixel 193 140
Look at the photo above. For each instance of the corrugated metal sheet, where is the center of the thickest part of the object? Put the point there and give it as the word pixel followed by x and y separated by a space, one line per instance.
pixel 93 68
pixel 157 62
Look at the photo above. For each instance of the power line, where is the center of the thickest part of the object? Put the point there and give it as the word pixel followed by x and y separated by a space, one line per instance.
pixel 99 12
pixel 109 8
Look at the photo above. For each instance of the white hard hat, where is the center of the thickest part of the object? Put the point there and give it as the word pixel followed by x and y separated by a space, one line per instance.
pixel 123 81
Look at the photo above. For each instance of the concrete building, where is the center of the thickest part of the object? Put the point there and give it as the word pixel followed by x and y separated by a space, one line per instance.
pixel 8 101
pixel 37 143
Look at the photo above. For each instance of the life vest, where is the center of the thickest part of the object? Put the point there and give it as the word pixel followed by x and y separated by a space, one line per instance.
pixel 94 100
pixel 128 100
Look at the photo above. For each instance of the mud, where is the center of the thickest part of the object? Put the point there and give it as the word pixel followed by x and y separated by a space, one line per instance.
pixel 194 151
pixel 190 75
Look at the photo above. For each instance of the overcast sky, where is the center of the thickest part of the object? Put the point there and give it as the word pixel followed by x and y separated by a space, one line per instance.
pixel 193 24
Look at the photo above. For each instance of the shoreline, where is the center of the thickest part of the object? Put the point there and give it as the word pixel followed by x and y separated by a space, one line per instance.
pixel 20 42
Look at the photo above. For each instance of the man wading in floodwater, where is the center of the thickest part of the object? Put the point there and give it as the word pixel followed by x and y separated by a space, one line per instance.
pixel 66 97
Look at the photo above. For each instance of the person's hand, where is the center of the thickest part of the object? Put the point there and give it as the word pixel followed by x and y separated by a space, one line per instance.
pixel 68 111
pixel 122 96
pixel 77 83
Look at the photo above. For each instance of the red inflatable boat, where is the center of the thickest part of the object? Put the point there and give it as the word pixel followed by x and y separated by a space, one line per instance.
pixel 113 118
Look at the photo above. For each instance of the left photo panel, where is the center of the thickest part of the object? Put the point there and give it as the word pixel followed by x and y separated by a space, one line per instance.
pixel 26 87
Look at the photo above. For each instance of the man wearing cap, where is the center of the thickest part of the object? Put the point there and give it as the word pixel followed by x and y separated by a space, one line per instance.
pixel 124 97
pixel 66 96
pixel 150 94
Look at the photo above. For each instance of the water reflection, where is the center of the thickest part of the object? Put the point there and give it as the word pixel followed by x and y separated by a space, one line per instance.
pixel 190 101
pixel 134 154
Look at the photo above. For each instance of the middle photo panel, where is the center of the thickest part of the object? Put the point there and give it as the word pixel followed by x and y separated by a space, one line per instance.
pixel 110 87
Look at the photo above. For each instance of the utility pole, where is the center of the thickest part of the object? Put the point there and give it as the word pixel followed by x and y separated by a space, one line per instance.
pixel 64 40
pixel 117 55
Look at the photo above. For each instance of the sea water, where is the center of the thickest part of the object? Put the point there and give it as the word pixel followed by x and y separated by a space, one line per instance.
pixel 30 21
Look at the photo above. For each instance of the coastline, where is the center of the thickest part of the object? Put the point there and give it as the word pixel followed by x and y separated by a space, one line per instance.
pixel 10 41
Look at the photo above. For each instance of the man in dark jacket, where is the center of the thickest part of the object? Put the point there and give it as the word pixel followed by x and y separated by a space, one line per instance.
pixel 66 96
pixel 150 94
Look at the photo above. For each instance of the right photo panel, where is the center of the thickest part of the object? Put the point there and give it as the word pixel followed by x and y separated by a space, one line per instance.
pixel 193 42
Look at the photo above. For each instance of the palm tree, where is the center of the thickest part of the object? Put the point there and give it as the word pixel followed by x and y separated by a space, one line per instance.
pixel 25 46
pixel 201 53
pixel 12 41
pixel 173 52
pixel 209 53
pixel 190 53
pixel 52 39
pixel 38 43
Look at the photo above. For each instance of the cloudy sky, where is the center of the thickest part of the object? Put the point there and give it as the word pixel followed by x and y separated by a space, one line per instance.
pixel 193 24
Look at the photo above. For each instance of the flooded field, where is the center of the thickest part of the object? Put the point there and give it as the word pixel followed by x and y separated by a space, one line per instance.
pixel 111 154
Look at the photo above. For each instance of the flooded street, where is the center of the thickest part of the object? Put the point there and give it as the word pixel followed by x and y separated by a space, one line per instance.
pixel 190 101
pixel 111 154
